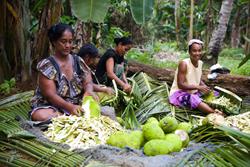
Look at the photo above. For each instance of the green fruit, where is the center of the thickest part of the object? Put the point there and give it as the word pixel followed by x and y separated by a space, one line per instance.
pixel 185 126
pixel 168 124
pixel 136 139
pixel 183 136
pixel 175 140
pixel 119 139
pixel 156 147
pixel 152 120
pixel 152 131
pixel 214 119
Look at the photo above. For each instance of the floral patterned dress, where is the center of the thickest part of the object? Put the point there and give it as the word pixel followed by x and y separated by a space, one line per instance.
pixel 71 91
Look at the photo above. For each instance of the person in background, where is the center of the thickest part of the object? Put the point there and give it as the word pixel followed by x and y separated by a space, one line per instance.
pixel 63 79
pixel 89 53
pixel 187 88
pixel 112 65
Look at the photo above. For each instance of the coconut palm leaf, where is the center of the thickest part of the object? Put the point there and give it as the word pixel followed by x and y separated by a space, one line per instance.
pixel 41 154
pixel 233 146
pixel 12 109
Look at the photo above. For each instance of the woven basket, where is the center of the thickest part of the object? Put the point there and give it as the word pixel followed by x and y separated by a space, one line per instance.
pixel 234 99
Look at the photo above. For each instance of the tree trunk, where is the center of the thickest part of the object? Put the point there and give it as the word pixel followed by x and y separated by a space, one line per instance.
pixel 177 21
pixel 50 15
pixel 209 22
pixel 235 34
pixel 219 32
pixel 4 64
pixel 223 80
pixel 191 21
pixel 25 49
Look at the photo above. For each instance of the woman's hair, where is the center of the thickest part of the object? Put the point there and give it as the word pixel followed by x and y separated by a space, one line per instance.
pixel 123 41
pixel 88 49
pixel 55 32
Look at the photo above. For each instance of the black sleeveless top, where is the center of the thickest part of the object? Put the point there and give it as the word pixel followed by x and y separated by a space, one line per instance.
pixel 101 67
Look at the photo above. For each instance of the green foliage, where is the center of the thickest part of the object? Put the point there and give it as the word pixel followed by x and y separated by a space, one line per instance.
pixel 146 56
pixel 114 32
pixel 231 58
pixel 247 57
pixel 236 53
pixel 90 10
pixel 141 10
pixel 68 20
pixel 6 86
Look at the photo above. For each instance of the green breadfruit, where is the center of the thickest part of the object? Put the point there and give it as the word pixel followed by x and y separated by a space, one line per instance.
pixel 119 139
pixel 175 140
pixel 185 126
pixel 136 139
pixel 152 120
pixel 152 131
pixel 183 136
pixel 168 124
pixel 156 147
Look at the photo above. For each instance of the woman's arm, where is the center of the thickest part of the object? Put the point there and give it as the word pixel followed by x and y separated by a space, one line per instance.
pixel 102 88
pixel 181 80
pixel 88 86
pixel 110 73
pixel 48 90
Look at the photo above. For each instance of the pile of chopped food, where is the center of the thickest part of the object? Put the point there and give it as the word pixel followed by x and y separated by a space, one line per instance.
pixel 240 122
pixel 81 132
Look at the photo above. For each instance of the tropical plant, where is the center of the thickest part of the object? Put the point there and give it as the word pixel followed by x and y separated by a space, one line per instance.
pixel 6 86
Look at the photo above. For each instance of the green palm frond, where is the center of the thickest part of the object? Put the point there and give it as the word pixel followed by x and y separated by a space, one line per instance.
pixel 13 108
pixel 41 154
pixel 233 146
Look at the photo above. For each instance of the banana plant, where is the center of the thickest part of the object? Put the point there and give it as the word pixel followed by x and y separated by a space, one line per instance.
pixel 90 10
pixel 141 10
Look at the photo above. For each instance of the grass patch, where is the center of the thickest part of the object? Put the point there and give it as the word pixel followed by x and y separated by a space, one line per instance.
pixel 229 57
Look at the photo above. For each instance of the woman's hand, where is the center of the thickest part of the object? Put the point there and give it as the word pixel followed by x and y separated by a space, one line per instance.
pixel 203 89
pixel 126 88
pixel 76 110
pixel 91 93
pixel 109 90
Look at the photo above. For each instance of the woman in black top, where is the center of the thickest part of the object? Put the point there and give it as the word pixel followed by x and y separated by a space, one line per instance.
pixel 112 65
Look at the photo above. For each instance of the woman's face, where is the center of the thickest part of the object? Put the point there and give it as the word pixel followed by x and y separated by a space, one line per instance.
pixel 64 44
pixel 195 52
pixel 123 49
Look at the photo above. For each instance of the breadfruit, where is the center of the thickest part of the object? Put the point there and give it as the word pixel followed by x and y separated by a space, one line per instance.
pixel 119 139
pixel 136 139
pixel 152 131
pixel 152 120
pixel 183 136
pixel 168 124
pixel 214 119
pixel 156 147
pixel 175 140
pixel 185 126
